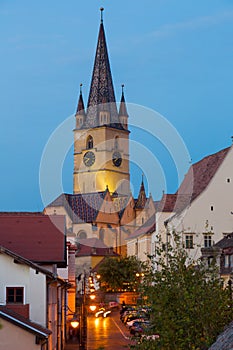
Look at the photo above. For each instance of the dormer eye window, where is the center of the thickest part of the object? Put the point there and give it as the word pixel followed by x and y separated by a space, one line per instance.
pixel 90 142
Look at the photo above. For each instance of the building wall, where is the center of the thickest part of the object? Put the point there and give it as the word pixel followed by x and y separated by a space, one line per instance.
pixel 13 337
pixel 19 275
pixel 140 247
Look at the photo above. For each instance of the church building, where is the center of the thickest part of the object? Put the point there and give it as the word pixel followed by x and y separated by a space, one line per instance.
pixel 102 208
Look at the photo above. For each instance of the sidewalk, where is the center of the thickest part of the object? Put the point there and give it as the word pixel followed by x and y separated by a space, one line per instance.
pixel 72 345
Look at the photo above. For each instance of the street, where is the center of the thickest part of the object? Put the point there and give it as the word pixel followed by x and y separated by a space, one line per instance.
pixel 107 333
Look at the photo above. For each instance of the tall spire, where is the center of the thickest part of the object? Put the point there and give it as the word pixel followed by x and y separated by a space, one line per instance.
pixel 101 90
pixel 141 202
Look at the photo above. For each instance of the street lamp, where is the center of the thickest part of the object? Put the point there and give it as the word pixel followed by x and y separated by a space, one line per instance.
pixel 74 322
pixel 92 307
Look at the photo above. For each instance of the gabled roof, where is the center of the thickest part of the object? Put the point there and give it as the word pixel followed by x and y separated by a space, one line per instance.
pixel 121 202
pixel 39 238
pixel 201 173
pixel 195 182
pixel 93 246
pixel 148 228
pixel 23 322
pixel 225 242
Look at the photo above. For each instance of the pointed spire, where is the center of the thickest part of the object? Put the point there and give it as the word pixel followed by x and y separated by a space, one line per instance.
pixel 101 90
pixel 141 202
pixel 123 109
pixel 80 108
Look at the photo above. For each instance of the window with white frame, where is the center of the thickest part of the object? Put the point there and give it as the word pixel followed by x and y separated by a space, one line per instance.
pixel 189 241
pixel 207 241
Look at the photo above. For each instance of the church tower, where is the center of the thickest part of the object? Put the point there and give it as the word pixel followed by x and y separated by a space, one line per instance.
pixel 101 135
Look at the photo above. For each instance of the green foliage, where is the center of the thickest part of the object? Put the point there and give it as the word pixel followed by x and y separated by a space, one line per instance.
pixel 189 305
pixel 119 274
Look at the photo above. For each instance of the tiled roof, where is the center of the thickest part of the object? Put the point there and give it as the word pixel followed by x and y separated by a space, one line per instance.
pixel 39 238
pixel 147 228
pixel 23 322
pixel 224 340
pixel 120 203
pixel 93 246
pixel 226 242
pixel 195 182
pixel 172 203
pixel 201 173
pixel 21 213
pixel 80 207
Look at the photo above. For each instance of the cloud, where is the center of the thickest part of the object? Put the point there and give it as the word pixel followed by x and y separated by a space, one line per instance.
pixel 193 24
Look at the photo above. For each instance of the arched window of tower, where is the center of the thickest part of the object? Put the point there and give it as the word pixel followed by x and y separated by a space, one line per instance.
pixel 82 234
pixel 90 142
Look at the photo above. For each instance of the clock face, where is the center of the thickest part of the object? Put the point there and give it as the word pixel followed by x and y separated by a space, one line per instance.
pixel 89 158
pixel 116 159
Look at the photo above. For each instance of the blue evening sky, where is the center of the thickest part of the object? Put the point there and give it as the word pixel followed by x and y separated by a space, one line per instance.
pixel 174 57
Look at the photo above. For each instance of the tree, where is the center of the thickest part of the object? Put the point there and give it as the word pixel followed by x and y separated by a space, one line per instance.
pixel 189 306
pixel 118 274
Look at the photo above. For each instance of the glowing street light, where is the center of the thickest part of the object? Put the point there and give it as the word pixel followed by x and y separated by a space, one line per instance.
pixel 74 323
pixel 92 307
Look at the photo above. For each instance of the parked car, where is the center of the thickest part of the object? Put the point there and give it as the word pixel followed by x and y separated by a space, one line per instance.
pixel 129 324
pixel 138 328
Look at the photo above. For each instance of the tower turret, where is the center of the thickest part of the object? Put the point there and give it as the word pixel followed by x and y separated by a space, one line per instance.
pixel 80 113
pixel 123 114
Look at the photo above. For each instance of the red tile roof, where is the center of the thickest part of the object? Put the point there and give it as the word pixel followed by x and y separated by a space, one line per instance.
pixel 195 182
pixel 93 246
pixel 39 238
pixel 201 173
pixel 23 322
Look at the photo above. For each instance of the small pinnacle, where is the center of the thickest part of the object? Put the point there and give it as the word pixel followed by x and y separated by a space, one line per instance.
pixel 81 88
pixel 122 87
pixel 101 9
